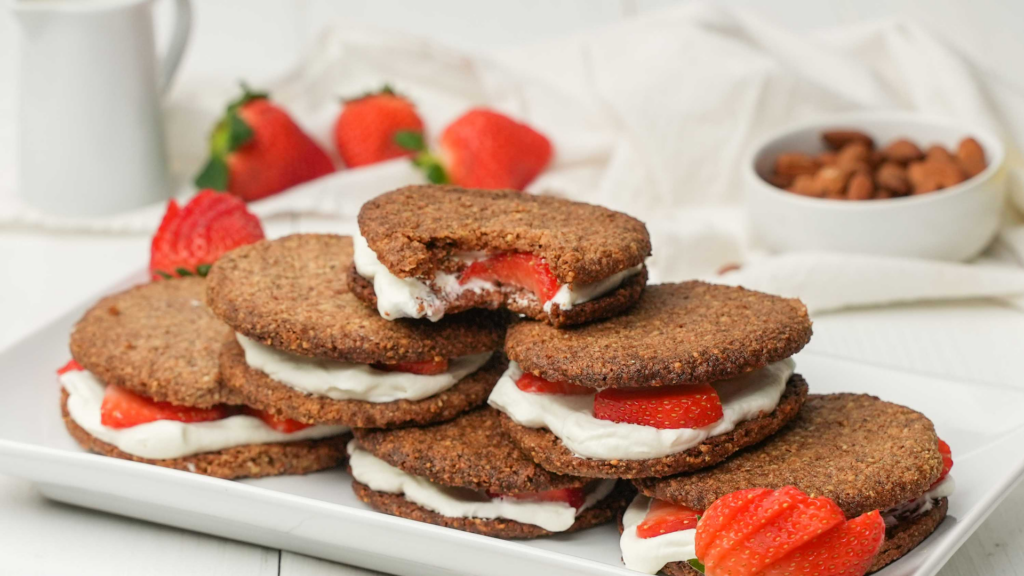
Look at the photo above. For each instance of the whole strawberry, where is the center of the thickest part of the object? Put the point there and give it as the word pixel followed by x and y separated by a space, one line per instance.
pixel 370 127
pixel 485 149
pixel 190 239
pixel 257 150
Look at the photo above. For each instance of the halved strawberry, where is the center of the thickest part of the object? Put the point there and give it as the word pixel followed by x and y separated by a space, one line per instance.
pixel 664 517
pixel 846 550
pixel 285 425
pixel 515 269
pixel 685 406
pixel 531 383
pixel 192 238
pixel 424 367
pixel 947 461
pixel 123 408
pixel 71 366
pixel 574 497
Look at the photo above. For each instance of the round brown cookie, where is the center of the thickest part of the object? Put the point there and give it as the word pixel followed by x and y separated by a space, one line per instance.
pixel 603 511
pixel 546 449
pixel 250 461
pixel 862 452
pixel 676 334
pixel 260 391
pixel 156 339
pixel 292 294
pixel 415 230
pixel 521 301
pixel 470 451
pixel 899 539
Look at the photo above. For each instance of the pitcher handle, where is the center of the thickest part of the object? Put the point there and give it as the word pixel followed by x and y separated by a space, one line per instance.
pixel 179 39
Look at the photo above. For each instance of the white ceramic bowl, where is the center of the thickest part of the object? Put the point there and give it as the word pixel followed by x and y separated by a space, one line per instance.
pixel 955 223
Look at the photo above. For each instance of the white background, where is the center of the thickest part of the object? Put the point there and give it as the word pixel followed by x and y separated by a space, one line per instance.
pixel 43 274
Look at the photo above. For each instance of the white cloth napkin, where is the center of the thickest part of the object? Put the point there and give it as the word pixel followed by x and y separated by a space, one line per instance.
pixel 651 116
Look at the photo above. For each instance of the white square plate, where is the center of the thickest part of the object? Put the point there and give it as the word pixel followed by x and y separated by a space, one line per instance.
pixel 318 515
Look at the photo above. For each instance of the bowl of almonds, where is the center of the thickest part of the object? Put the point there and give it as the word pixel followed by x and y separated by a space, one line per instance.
pixel 883 183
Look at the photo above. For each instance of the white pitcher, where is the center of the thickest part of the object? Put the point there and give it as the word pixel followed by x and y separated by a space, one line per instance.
pixel 90 132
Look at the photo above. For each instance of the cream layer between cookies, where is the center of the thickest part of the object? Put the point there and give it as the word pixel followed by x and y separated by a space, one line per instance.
pixel 464 503
pixel 416 298
pixel 920 505
pixel 165 439
pixel 571 417
pixel 649 555
pixel 349 381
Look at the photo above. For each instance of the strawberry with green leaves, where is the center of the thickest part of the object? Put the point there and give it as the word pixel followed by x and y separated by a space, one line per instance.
pixel 484 149
pixel 257 150
pixel 370 127
pixel 190 239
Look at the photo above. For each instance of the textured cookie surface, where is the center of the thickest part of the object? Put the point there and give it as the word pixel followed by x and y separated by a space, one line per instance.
pixel 156 339
pixel 257 389
pixel 521 301
pixel 676 334
pixel 292 294
pixel 415 229
pixel 251 461
pixel 471 451
pixel 547 450
pixel 395 504
pixel 862 452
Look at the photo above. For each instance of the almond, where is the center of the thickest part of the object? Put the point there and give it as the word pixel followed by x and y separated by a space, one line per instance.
pixel 971 157
pixel 932 175
pixel 836 139
pixel 779 181
pixel 938 153
pixel 893 177
pixel 883 194
pixel 795 163
pixel 827 158
pixel 831 180
pixel 806 185
pixel 861 187
pixel 921 178
pixel 902 151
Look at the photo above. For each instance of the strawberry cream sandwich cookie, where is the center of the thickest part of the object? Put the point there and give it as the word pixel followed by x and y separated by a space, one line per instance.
pixel 144 385
pixel 691 374
pixel 466 474
pixel 878 464
pixel 304 348
pixel 427 251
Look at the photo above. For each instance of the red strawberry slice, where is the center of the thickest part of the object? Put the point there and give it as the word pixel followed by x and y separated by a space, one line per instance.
pixel 664 517
pixel 531 383
pixel 122 408
pixel 515 269
pixel 685 406
pixel 285 425
pixel 370 128
pixel 71 366
pixel 947 461
pixel 722 513
pixel 846 550
pixel 257 150
pixel 192 238
pixel 424 367
pixel 574 497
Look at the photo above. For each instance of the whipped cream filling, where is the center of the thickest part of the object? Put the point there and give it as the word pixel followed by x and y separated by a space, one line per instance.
pixel 920 505
pixel 571 417
pixel 345 381
pixel 649 555
pixel 169 438
pixel 462 502
pixel 416 298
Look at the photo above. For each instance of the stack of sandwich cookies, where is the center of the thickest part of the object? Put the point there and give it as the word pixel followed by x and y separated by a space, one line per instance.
pixel 428 251
pixel 466 474
pixel 304 348
pixel 144 385
pixel 861 452
pixel 690 375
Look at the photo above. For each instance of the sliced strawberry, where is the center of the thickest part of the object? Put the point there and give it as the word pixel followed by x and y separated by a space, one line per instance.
pixel 71 366
pixel 947 461
pixel 664 517
pixel 685 406
pixel 192 238
pixel 574 497
pixel 721 514
pixel 531 383
pixel 285 425
pixel 122 408
pixel 845 550
pixel 515 269
pixel 424 367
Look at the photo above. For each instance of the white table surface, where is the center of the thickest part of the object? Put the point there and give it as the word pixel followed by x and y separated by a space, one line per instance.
pixel 41 275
